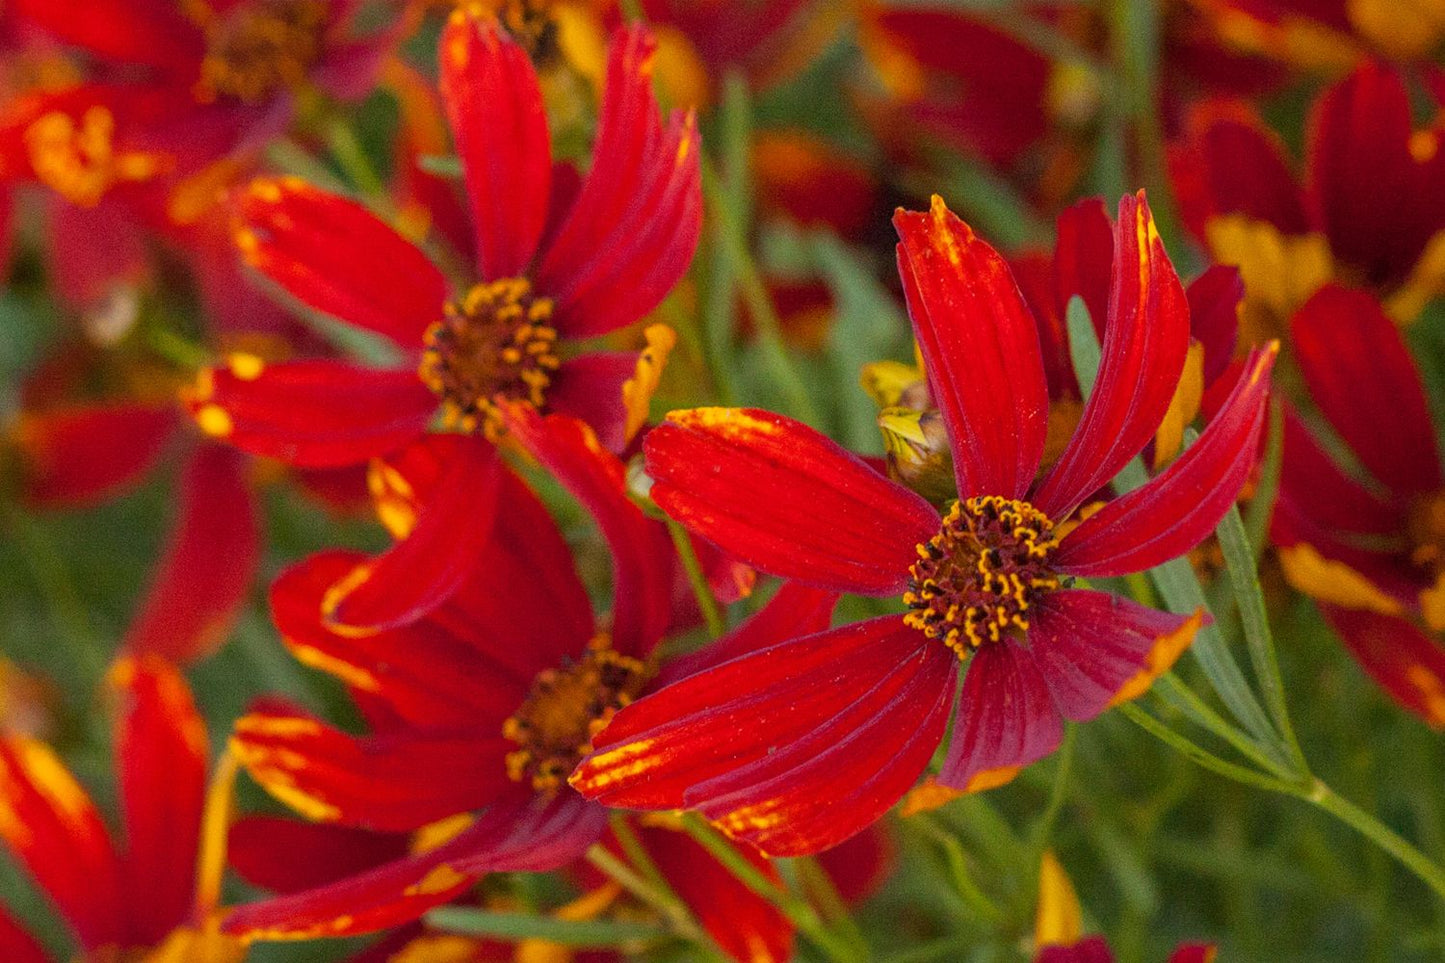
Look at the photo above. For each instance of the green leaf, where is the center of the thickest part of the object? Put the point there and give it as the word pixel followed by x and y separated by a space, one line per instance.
pixel 524 926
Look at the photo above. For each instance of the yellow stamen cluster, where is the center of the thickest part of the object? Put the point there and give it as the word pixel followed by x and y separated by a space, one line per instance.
pixel 79 161
pixel 495 343
pixel 264 46
pixel 1427 531
pixel 566 707
pixel 976 579
pixel 530 22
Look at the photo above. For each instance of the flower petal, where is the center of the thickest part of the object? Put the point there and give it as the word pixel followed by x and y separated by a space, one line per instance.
pixel 494 105
pixel 1146 336
pixel 150 32
pixel 786 500
pixel 313 414
pixel 589 387
pixel 1230 162
pixel 1178 509
pixel 204 577
pixel 16 945
pixel 794 748
pixel 980 346
pixel 288 855
pixel 1359 371
pixel 794 611
pixel 1215 298
pixel 1084 260
pixel 78 456
pixel 1091 949
pixel 1403 660
pixel 335 256
pixel 1006 719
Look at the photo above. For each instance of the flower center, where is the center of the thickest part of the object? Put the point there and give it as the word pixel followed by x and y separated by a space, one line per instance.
pixel 79 160
pixel 263 46
pixel 496 342
pixel 530 22
pixel 566 707
pixel 976 579
pixel 1427 531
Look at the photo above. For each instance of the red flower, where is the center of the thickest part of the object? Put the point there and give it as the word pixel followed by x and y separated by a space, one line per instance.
pixel 1095 949
pixel 596 260
pixel 485 703
pixel 800 746
pixel 1372 554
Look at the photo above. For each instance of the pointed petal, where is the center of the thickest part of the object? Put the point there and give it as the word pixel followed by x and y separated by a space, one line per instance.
pixel 335 256
pixel 980 345
pixel 1234 164
pixel 1359 371
pixel 794 748
pixel 494 105
pixel 589 387
pixel 149 32
pixel 54 830
pixel 1006 719
pixel 1146 337
pixel 1178 509
pixel 794 611
pixel 16 945
pixel 786 500
pixel 1321 503
pixel 74 457
pixel 205 575
pixel 161 754
pixel 1403 660
pixel 312 414
pixel 1084 260
pixel 1215 300
pixel 632 231
pixel 288 855
pixel 1095 647
pixel 1091 949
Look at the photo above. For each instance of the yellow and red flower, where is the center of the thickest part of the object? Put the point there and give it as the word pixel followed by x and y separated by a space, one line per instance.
pixel 1371 551
pixel 555 270
pixel 840 724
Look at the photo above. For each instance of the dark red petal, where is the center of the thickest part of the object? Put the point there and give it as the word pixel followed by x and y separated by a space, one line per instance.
pixel 981 348
pixel 1360 373
pixel 786 500
pixel 494 105
pixel 288 855
pixel 1193 953
pixel 1091 949
pixel 1408 664
pixel 55 832
pixel 205 574
pixel 1320 499
pixel 1090 645
pixel 161 756
pixel 313 414
pixel 149 32
pixel 632 231
pixel 1238 166
pixel 1146 337
pixel 74 457
pixel 1084 260
pixel 337 257
pixel 861 865
pixel 521 832
pixel 16 945
pixel 393 781
pixel 589 387
pixel 96 253
pixel 795 610
pixel 747 927
pixel 1214 303
pixel 794 748
pixel 1006 719
pixel 1177 510
pixel 642 553
pixel 422 570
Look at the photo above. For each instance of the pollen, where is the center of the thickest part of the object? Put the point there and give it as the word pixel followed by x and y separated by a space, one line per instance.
pixel 495 344
pixel 262 47
pixel 976 580
pixel 1426 527
pixel 79 161
pixel 566 708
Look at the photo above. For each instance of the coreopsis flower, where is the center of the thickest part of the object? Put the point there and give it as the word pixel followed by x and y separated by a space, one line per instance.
pixel 1330 37
pixel 797 747
pixel 1366 210
pixel 485 703
pixel 1370 549
pixel 142 900
pixel 553 270
pixel 1095 949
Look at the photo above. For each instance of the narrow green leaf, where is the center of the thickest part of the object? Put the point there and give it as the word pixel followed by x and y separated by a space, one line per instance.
pixel 593 934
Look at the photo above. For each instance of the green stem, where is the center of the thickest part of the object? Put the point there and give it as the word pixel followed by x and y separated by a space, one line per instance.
pixel 1427 870
pixel 1191 750
pixel 351 158
pixel 711 612
pixel 1058 793
pixel 972 895
pixel 679 917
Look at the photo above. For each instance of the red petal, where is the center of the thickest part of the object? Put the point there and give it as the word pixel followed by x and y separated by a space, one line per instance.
pixel 794 748
pixel 1006 719
pixel 1178 509
pixel 337 257
pixel 521 832
pixel 394 781
pixel 786 500
pixel 1146 337
pixel 794 611
pixel 16 945
pixel 55 832
pixel 76 457
pixel 1084 260
pixel 981 348
pixel 642 553
pixel 1088 645
pixel 861 865
pixel 633 229
pixel 288 856
pixel 313 414
pixel 589 387
pixel 494 104
pixel 1403 660
pixel 1360 373
pixel 1321 500
pixel 1240 167
pixel 96 253
pixel 161 753
pixel 1091 949
pixel 422 570
pixel 1193 953
pixel 1214 303
pixel 205 575
pixel 149 32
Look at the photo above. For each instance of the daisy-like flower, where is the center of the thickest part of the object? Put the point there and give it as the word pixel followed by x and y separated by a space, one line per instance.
pixel 559 261
pixel 800 746
pixel 485 704
pixel 1370 549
